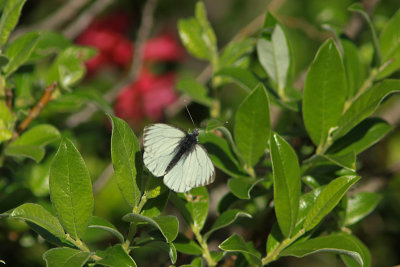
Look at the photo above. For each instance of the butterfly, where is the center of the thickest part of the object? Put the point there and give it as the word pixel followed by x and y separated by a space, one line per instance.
pixel 175 154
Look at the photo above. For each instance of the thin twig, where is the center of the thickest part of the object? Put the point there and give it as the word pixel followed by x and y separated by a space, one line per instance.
pixel 133 73
pixel 9 98
pixel 82 22
pixel 35 111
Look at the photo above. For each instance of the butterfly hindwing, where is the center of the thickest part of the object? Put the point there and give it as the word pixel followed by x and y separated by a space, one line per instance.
pixel 160 142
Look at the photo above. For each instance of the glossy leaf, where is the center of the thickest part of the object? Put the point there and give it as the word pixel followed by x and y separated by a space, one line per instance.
pixel 19 51
pixel 103 224
pixel 187 246
pixel 196 91
pixel 390 45
pixel 36 214
pixel 273 54
pixel 9 18
pixel 361 137
pixel 225 219
pixel 334 243
pixel 306 202
pixel 243 77
pixel 241 187
pixel 286 177
pixel 324 93
pixel 56 257
pixel 167 225
pixel 352 66
pixel 237 244
pixel 71 189
pixel 127 160
pixel 252 126
pixel 329 197
pixel 360 205
pixel 365 105
pixel 115 256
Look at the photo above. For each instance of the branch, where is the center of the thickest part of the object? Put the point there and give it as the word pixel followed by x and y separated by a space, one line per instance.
pixel 9 98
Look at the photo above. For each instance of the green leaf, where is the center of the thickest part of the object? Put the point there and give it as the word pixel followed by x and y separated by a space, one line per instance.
pixel 9 18
pixel 33 152
pixel 352 66
pixel 168 225
pixel 347 160
pixel 243 77
pixel 115 256
pixel 36 214
pixel 207 31
pixel 38 177
pixel 234 51
pixel 225 219
pixel 155 206
pixel 329 197
pixel 324 93
pixel 196 91
pixel 3 60
pixel 306 202
pixel 127 160
pixel 334 243
pixel 39 135
pixel 362 250
pixel 360 205
pixel 103 224
pixel 49 43
pixel 361 137
pixel 187 246
pixel 196 203
pixel 56 257
pixel 252 126
pixel 236 243
pixel 365 105
pixel 390 45
pixel 241 187
pixel 286 177
pixel 71 189
pixel 6 123
pixel 19 51
pixel 221 154
pixel 273 55
pixel 154 187
pixel 274 238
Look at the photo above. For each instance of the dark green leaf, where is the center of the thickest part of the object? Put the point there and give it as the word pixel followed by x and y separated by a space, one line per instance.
pixel 196 91
pixel 187 246
pixel 236 243
pixel 57 257
pixel 241 187
pixel 252 125
pixel 127 160
pixel 243 77
pixel 115 256
pixel 286 176
pixel 71 189
pixel 329 197
pixel 274 238
pixel 19 51
pixel 168 225
pixel 103 224
pixel 360 205
pixel 335 243
pixel 3 60
pixel 36 214
pixel 347 160
pixel 225 219
pixel 9 18
pixel 324 93
pixel 365 105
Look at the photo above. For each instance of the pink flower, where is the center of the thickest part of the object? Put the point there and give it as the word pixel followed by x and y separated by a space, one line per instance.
pixel 163 48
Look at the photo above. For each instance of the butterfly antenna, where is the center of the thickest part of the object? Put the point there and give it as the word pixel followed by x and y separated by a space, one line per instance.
pixel 189 114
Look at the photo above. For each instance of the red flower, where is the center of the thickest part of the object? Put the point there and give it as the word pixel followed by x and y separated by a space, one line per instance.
pixel 147 97
pixel 163 48
pixel 122 53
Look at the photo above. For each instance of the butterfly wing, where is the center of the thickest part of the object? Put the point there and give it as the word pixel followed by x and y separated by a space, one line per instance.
pixel 194 169
pixel 160 143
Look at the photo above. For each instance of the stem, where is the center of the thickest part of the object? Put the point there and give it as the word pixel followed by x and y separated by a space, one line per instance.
pixel 204 246
pixel 82 246
pixel 274 254
pixel 132 227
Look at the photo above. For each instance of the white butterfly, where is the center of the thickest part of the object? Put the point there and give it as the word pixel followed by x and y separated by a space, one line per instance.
pixel 176 155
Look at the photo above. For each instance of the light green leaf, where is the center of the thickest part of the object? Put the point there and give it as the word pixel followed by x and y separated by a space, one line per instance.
pixel 243 77
pixel 324 93
pixel 236 243
pixel 155 206
pixel 19 51
pixel 306 202
pixel 286 177
pixel 103 224
pixel 49 43
pixel 242 186
pixel 57 257
pixel 36 214
pixel 6 123
pixel 154 187
pixel 361 249
pixel 334 243
pixel 187 246
pixel 115 256
pixel 273 55
pixel 207 31
pixel 39 135
pixel 196 91
pixel 9 18
pixel 274 238
pixel 252 126
pixel 26 151
pixel 71 189
pixel 196 203
pixel 360 205
pixel 127 160
pixel 225 219
pixel 234 51
pixel 365 105
pixel 168 225
pixel 329 197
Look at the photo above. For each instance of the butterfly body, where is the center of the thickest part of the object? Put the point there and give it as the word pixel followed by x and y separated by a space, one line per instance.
pixel 176 155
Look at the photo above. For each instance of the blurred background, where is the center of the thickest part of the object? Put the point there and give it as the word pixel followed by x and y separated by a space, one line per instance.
pixel 112 27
